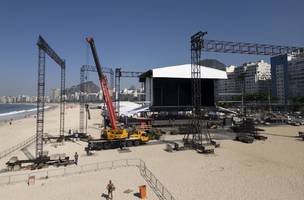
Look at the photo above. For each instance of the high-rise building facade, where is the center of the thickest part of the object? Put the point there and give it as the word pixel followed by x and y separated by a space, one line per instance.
pixel 287 77
pixel 254 77
pixel 55 97
pixel 296 76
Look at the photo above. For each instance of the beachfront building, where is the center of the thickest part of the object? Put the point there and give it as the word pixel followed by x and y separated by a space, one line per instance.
pixel 94 97
pixel 33 99
pixel 287 73
pixel 10 99
pixel 55 97
pixel 134 92
pixel 18 99
pixel 73 97
pixel 2 99
pixel 256 75
pixel 227 88
pixel 296 76
pixel 23 99
pixel 253 76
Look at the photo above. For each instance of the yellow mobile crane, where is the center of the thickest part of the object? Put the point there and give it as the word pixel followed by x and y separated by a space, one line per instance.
pixel 112 137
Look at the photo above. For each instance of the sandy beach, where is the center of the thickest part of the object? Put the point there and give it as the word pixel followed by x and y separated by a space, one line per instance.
pixel 271 169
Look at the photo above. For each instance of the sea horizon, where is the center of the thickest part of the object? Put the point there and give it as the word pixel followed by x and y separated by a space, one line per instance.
pixel 12 111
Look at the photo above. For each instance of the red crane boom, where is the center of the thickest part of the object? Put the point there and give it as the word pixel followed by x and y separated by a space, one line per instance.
pixel 103 84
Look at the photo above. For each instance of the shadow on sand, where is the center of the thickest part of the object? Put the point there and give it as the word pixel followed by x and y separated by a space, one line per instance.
pixel 105 196
pixel 136 194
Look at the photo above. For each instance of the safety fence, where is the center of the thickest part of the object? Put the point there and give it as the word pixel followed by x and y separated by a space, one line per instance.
pixel 20 145
pixel 159 189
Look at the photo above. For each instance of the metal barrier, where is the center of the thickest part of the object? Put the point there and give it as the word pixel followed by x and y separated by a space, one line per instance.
pixel 21 145
pixel 159 189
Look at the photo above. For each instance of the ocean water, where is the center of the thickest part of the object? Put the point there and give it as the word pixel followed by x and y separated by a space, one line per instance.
pixel 11 111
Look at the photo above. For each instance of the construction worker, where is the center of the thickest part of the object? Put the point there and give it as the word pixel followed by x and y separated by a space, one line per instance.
pixel 76 158
pixel 110 188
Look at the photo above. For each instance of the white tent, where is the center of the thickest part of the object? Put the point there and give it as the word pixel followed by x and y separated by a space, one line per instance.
pixel 184 71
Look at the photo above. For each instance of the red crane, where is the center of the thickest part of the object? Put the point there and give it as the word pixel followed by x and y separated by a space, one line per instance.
pixel 104 84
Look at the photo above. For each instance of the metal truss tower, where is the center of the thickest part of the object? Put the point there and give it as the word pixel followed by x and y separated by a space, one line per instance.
pixel 62 99
pixel 199 44
pixel 81 100
pixel 44 48
pixel 250 48
pixel 118 75
pixel 40 103
pixel 194 138
pixel 83 90
pixel 117 90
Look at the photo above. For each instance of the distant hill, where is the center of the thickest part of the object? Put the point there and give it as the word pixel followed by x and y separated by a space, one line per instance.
pixel 213 63
pixel 90 86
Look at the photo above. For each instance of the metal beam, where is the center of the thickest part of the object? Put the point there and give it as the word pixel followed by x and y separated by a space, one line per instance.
pixel 117 90
pixel 247 48
pixel 127 74
pixel 118 74
pixel 106 70
pixel 42 44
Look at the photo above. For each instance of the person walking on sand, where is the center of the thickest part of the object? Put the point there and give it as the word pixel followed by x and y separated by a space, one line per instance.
pixel 110 188
pixel 76 158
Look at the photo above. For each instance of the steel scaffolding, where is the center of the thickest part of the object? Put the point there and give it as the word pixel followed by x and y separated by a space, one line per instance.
pixel 194 138
pixel 247 48
pixel 199 44
pixel 40 103
pixel 44 48
pixel 83 90
pixel 118 74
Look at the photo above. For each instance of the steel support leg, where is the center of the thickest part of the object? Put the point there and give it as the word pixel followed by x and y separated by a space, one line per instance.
pixel 117 89
pixel 81 101
pixel 40 103
pixel 112 79
pixel 195 136
pixel 62 100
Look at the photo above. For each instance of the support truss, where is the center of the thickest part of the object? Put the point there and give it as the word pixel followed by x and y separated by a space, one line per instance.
pixel 40 103
pixel 246 48
pixel 83 90
pixel 199 44
pixel 118 74
pixel 195 138
pixel 44 48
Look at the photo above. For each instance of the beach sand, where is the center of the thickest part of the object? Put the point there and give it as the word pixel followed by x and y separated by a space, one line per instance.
pixel 79 187
pixel 271 169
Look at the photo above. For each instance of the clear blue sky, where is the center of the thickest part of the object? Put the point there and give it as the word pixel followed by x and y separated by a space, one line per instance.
pixel 135 34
